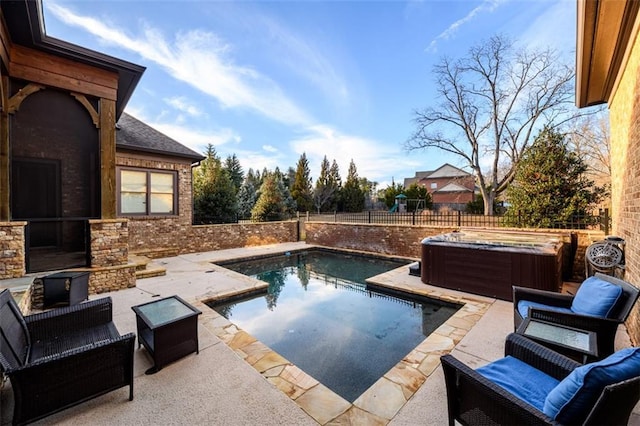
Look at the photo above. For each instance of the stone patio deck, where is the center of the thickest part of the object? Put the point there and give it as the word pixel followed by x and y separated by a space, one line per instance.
pixel 237 380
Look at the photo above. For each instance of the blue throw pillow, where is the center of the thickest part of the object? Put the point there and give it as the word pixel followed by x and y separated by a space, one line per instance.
pixel 520 379
pixel 596 297
pixel 574 397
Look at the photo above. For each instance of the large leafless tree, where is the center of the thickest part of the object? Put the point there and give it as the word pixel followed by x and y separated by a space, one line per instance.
pixel 492 104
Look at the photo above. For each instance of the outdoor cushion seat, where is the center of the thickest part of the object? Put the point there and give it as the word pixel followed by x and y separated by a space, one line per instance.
pixel 534 385
pixel 62 357
pixel 601 303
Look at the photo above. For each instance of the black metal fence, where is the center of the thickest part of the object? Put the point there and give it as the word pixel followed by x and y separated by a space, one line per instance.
pixel 600 221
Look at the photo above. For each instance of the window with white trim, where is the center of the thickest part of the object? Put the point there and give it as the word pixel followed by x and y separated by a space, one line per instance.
pixel 147 192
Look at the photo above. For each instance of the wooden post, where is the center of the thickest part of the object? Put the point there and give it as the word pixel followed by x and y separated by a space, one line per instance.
pixel 108 158
pixel 5 211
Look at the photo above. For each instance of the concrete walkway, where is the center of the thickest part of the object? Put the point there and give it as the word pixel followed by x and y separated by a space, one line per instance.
pixel 218 387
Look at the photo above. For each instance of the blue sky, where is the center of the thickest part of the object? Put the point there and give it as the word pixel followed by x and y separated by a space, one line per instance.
pixel 269 80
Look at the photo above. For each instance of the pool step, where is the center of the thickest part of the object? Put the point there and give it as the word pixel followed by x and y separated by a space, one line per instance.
pixel 146 268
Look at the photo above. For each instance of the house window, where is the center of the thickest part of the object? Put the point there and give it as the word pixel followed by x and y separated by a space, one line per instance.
pixel 434 185
pixel 147 192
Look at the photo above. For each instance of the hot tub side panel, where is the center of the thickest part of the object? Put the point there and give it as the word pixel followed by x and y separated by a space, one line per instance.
pixel 489 272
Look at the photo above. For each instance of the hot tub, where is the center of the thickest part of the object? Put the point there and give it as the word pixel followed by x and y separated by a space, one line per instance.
pixel 489 263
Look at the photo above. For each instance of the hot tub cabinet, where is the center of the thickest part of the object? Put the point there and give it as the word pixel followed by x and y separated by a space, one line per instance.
pixel 489 263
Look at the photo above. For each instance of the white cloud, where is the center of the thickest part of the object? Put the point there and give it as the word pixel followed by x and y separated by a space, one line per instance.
pixel 200 59
pixel 181 104
pixel 196 139
pixel 269 148
pixel 373 159
pixel 486 6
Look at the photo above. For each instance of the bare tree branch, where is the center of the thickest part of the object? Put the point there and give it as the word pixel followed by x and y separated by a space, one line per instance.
pixel 492 102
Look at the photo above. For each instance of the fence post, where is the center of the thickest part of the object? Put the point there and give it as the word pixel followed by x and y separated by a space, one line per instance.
pixel 606 221
pixel 459 217
pixel 413 217
pixel 335 216
pixel 369 214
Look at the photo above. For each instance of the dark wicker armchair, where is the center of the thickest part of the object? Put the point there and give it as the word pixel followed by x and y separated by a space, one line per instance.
pixel 63 357
pixel 558 310
pixel 474 399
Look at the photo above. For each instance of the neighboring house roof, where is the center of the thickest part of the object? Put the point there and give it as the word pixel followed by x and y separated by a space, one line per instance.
pixel 444 171
pixel 25 23
pixel 453 187
pixel 133 134
pixel 447 171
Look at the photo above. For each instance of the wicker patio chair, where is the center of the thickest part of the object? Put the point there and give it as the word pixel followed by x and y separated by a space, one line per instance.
pixel 62 357
pixel 475 399
pixel 560 309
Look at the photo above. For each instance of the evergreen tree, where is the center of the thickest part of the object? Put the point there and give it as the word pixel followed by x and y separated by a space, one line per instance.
pixel 335 183
pixel 247 197
pixel 550 185
pixel 274 201
pixel 390 192
pixel 301 185
pixel 232 164
pixel 214 196
pixel 352 194
pixel 323 192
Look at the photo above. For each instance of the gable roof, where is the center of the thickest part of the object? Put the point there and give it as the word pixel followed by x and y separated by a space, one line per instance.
pixel 453 187
pixel 448 171
pixel 133 134
pixel 25 23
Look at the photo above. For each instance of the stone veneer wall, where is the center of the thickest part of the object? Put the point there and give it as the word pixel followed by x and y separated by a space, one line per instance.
pixel 624 116
pixel 12 255
pixel 110 267
pixel 402 240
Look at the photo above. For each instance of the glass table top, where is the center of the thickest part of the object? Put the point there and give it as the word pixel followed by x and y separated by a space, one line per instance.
pixel 165 310
pixel 554 333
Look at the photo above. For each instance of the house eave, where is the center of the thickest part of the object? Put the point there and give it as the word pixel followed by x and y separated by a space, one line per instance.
pixel 604 30
pixel 25 23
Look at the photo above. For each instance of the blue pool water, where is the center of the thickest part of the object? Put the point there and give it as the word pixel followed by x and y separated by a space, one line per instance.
pixel 320 315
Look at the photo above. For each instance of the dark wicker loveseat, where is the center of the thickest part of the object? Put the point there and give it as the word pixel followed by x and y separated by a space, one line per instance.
pixel 475 399
pixel 557 308
pixel 62 357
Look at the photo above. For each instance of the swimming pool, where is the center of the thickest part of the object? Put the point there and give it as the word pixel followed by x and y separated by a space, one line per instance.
pixel 319 313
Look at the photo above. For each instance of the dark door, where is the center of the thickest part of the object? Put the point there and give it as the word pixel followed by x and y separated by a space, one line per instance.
pixel 35 195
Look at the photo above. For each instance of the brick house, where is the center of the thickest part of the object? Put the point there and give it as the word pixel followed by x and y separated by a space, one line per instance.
pixel 82 183
pixel 608 71
pixel 449 186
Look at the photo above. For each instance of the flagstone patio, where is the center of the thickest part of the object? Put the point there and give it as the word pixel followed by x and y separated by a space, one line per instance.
pixel 235 379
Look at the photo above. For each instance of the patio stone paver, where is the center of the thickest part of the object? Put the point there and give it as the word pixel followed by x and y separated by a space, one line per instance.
pixel 322 404
pixel 384 399
pixel 356 416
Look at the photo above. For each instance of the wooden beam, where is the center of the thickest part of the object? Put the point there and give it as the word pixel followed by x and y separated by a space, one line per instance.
pixel 48 78
pixel 31 58
pixel 5 212
pixel 108 158
pixel 39 67
pixel 92 111
pixel 13 104
pixel 5 42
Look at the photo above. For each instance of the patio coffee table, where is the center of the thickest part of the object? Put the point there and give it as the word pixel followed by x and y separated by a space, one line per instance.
pixel 168 329
pixel 569 341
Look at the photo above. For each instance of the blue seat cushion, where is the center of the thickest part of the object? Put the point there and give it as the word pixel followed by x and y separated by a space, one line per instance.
pixel 571 401
pixel 523 307
pixel 520 379
pixel 596 297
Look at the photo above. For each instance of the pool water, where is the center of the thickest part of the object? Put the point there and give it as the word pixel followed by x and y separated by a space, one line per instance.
pixel 320 315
